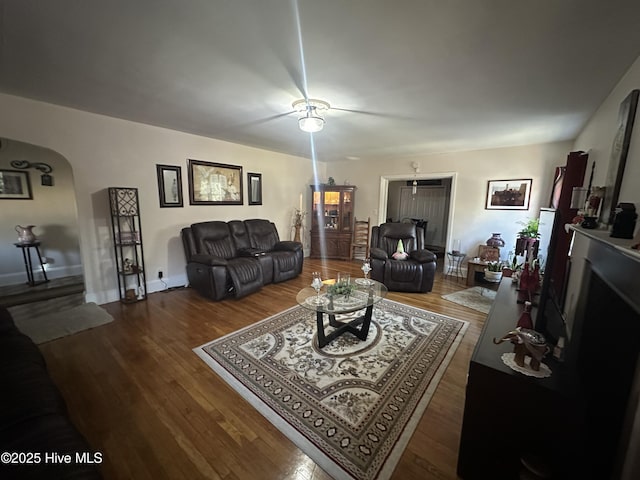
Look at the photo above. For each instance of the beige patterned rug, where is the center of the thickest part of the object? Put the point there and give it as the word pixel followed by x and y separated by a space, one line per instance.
pixel 352 406
pixel 478 298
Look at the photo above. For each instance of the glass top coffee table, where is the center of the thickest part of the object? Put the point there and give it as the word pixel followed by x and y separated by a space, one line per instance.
pixel 366 294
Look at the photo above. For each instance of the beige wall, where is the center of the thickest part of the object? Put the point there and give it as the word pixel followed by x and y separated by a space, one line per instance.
pixel 52 210
pixel 471 171
pixel 105 152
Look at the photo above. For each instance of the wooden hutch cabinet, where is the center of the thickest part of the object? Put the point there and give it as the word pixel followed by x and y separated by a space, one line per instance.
pixel 332 208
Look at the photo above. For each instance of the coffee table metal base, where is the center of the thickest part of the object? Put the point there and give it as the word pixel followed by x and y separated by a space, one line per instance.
pixel 364 321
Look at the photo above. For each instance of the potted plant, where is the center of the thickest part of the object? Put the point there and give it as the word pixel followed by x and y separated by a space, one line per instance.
pixel 493 271
pixel 510 269
pixel 527 241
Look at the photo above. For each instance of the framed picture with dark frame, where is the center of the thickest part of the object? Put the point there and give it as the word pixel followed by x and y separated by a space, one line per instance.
pixel 214 183
pixel 619 151
pixel 169 185
pixel 15 185
pixel 508 194
pixel 254 180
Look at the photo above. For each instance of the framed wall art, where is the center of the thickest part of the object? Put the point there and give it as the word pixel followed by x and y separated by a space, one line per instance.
pixel 214 183
pixel 15 185
pixel 255 188
pixel 169 185
pixel 508 194
pixel 619 152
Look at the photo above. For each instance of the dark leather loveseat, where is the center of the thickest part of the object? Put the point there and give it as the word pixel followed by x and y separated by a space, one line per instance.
pixel 237 258
pixel 33 415
pixel 414 274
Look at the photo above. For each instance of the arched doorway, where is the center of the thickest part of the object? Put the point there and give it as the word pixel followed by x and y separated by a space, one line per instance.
pixel 48 203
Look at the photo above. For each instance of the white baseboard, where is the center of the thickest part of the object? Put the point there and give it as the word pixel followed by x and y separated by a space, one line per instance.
pixel 152 286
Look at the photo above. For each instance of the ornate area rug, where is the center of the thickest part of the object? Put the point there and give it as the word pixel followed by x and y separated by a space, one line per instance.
pixel 478 298
pixel 353 405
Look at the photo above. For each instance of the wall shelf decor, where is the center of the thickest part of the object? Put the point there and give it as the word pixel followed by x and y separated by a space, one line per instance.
pixel 127 242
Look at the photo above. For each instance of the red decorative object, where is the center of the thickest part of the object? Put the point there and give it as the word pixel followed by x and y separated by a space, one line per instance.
pixel 525 320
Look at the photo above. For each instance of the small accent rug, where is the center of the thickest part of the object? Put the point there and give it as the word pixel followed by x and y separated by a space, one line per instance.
pixel 353 405
pixel 478 298
pixel 45 328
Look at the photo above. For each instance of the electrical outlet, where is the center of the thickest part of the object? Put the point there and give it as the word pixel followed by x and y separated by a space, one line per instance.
pixel 160 274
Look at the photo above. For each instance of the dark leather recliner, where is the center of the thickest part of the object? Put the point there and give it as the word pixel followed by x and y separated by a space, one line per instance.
pixel 416 273
pixel 237 258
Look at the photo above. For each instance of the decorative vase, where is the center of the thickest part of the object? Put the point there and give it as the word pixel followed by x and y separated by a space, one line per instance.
pixel 495 240
pixel 25 235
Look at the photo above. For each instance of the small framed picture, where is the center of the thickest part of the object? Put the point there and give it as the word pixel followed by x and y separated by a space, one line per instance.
pixel 508 194
pixel 15 185
pixel 169 185
pixel 255 188
pixel 214 183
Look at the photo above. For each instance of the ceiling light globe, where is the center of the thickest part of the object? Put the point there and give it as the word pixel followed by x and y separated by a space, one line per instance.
pixel 311 124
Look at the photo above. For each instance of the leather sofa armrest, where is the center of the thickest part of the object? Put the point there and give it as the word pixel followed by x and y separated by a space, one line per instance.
pixel 378 253
pixel 251 252
pixel 287 246
pixel 208 260
pixel 422 256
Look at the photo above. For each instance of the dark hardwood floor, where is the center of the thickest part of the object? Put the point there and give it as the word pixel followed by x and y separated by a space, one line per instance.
pixel 141 396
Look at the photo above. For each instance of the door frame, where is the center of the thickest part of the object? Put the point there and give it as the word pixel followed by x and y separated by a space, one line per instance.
pixel 384 196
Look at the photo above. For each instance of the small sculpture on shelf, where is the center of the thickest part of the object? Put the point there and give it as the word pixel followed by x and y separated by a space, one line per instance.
pixel 526 342
pixel 127 266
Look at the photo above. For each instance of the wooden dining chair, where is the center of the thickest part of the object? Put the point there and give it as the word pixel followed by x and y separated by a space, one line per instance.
pixel 360 238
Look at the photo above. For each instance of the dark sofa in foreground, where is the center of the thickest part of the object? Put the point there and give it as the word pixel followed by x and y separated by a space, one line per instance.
pixel 34 424
pixel 237 258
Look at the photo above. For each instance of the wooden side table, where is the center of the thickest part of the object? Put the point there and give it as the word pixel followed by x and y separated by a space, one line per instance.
pixel 474 266
pixel 28 264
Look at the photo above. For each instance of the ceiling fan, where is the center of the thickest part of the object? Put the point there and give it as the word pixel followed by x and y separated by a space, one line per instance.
pixel 310 114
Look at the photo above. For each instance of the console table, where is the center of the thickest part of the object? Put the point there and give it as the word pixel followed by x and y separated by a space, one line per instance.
pixel 507 415
pixel 28 264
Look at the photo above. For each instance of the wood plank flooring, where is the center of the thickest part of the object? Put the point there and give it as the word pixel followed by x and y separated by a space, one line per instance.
pixel 141 396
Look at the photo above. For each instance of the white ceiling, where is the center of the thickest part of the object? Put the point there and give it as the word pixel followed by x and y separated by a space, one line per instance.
pixel 421 76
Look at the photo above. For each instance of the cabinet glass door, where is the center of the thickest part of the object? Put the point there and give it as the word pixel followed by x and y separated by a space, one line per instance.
pixel 316 209
pixel 331 210
pixel 347 211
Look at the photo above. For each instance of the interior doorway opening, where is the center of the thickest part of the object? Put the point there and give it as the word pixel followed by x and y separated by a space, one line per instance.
pixel 430 205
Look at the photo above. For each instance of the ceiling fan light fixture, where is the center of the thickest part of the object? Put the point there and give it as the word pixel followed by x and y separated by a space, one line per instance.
pixel 311 114
pixel 311 124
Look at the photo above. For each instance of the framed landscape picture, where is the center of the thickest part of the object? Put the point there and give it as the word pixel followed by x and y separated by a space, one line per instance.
pixel 214 183
pixel 15 185
pixel 508 194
